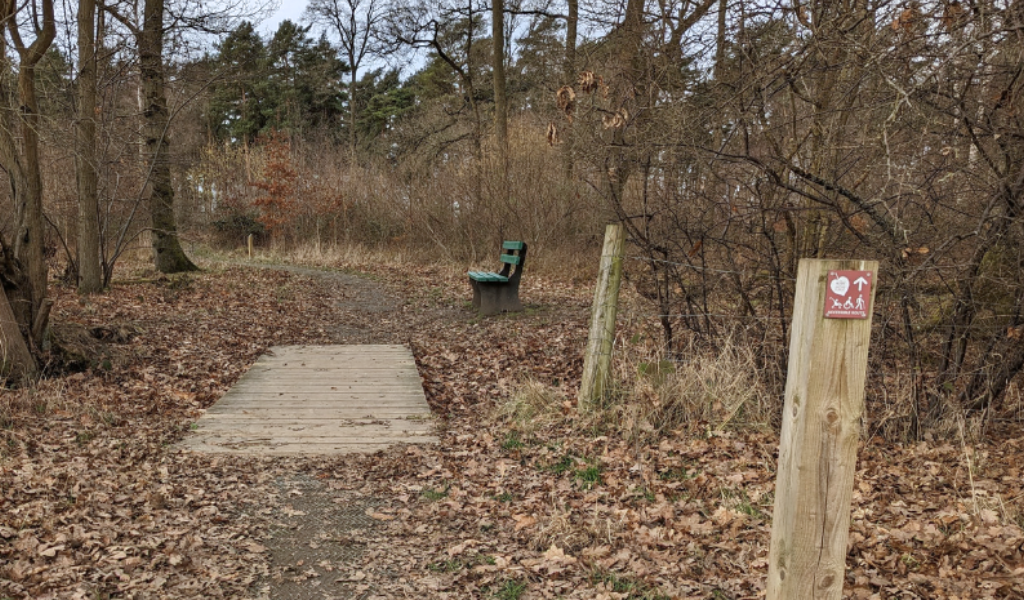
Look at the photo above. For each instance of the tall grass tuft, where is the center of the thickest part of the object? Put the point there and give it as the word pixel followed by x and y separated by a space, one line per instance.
pixel 652 396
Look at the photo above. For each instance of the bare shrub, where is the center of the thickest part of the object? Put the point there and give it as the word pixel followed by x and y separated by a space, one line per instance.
pixel 453 207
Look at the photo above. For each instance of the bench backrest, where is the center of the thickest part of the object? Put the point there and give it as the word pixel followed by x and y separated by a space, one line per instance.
pixel 512 253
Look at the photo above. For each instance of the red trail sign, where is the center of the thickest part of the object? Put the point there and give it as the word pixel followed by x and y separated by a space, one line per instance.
pixel 848 295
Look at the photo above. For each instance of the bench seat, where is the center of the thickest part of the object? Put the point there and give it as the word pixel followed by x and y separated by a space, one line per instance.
pixel 487 276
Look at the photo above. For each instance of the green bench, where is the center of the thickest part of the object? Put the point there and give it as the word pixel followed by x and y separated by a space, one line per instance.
pixel 495 293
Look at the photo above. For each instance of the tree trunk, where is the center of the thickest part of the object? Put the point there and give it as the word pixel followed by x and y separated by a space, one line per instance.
pixel 90 274
pixel 569 74
pixel 22 165
pixel 29 245
pixel 16 361
pixel 720 38
pixel 352 141
pixel 624 92
pixel 168 255
pixel 498 66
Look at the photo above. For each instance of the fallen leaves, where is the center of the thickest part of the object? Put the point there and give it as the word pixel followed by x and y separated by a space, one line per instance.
pixel 96 501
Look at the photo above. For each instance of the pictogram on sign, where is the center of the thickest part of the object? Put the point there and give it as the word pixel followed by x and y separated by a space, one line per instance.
pixel 848 295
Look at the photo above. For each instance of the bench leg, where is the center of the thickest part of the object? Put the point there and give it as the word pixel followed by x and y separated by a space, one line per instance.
pixel 494 298
pixel 508 298
pixel 476 293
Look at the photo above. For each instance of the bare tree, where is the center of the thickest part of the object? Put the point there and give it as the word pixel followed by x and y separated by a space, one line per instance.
pixel 27 268
pixel 168 255
pixel 16 361
pixel 449 31
pixel 90 272
pixel 498 76
pixel 357 25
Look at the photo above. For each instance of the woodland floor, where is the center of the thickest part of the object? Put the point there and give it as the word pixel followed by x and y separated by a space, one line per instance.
pixel 97 503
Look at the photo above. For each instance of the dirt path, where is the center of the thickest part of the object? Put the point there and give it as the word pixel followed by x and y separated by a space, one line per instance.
pixel 367 306
pixel 318 530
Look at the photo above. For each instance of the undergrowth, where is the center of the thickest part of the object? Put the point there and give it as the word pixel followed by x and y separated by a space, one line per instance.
pixel 649 397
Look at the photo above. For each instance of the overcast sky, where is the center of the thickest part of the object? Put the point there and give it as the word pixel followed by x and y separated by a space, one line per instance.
pixel 290 9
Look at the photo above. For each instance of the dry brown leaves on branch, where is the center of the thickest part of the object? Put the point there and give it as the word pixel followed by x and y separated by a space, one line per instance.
pixel 552 134
pixel 566 97
pixel 590 83
pixel 616 120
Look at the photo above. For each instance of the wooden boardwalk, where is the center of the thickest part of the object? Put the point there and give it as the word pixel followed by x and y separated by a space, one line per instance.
pixel 319 400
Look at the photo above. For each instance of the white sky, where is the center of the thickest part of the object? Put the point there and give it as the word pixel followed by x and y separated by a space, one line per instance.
pixel 289 9
pixel 292 9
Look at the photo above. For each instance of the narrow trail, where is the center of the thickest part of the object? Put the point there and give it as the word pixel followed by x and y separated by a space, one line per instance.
pixel 319 527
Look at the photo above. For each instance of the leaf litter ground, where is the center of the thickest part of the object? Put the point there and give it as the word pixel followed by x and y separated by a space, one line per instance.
pixel 96 502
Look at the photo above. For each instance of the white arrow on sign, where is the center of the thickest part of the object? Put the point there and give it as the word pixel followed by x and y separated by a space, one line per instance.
pixel 860 283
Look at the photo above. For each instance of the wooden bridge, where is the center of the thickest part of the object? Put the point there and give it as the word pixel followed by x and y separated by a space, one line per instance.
pixel 319 400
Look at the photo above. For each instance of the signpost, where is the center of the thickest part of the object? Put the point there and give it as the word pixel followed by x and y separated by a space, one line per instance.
pixel 828 353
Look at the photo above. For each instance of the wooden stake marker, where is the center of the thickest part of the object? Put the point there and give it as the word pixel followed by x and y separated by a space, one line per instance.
pixel 820 428
pixel 598 358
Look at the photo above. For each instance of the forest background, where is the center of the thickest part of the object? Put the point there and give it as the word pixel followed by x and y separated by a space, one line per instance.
pixel 732 138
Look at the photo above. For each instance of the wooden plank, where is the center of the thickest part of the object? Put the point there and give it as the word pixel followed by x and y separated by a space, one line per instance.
pixel 264 448
pixel 821 423
pixel 292 435
pixel 487 277
pixel 319 400
pixel 380 390
pixel 511 259
pixel 321 411
pixel 369 369
pixel 368 409
pixel 315 400
pixel 231 420
pixel 311 398
pixel 285 433
pixel 272 439
pixel 512 245
pixel 224 420
pixel 301 398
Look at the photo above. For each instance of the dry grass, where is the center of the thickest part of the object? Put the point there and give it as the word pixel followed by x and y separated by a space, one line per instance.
pixel 986 508
pixel 343 256
pixel 40 400
pixel 532 407
pixel 652 397
pixel 572 532
pixel 707 389
pixel 577 266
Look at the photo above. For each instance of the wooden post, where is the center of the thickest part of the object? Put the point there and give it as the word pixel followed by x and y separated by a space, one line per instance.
pixel 249 243
pixel 821 423
pixel 598 358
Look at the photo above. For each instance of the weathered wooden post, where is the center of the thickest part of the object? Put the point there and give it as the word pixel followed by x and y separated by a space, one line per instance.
pixel 828 352
pixel 598 358
pixel 249 243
